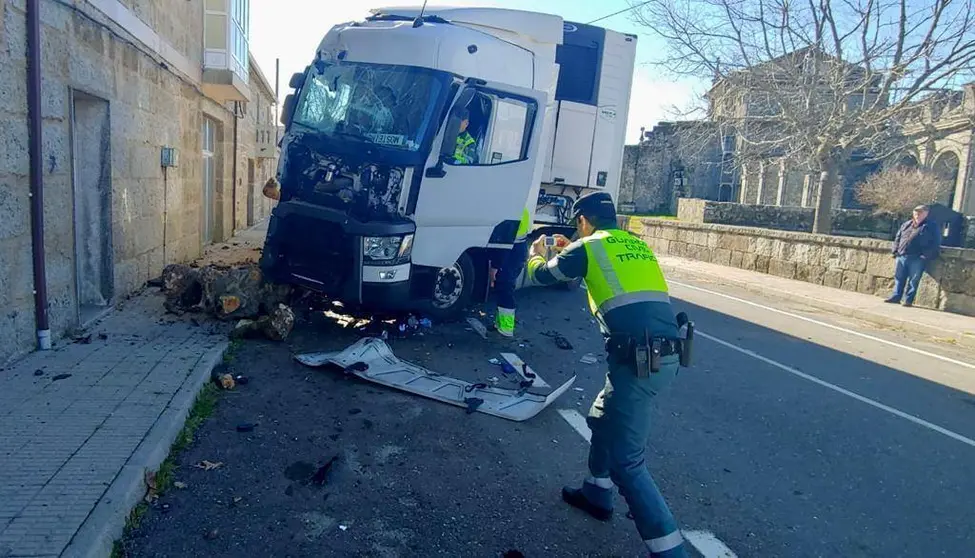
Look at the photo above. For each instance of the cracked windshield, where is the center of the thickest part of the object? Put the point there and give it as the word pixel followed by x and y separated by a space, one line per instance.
pixel 392 106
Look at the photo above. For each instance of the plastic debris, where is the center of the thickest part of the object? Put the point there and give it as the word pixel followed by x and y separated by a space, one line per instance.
pixel 578 389
pixel 60 377
pixel 589 358
pixel 426 323
pixel 495 361
pixel 344 527
pixel 477 326
pixel 208 465
pixel 179 485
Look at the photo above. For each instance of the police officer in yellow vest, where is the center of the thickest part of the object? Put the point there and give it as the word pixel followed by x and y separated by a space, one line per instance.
pixel 629 298
pixel 511 268
pixel 465 153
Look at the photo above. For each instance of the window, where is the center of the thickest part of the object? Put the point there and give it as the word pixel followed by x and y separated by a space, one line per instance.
pixel 389 106
pixel 240 27
pixel 498 130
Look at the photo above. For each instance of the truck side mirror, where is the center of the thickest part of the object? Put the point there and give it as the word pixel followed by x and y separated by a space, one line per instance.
pixel 288 110
pixel 297 80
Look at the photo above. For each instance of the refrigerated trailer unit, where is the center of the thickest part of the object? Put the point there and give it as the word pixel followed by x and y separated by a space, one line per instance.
pixel 374 207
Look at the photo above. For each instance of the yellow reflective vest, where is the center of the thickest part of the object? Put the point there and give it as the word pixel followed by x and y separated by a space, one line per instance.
pixel 621 270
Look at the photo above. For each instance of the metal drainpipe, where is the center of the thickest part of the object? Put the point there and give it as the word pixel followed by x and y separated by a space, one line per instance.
pixel 233 189
pixel 36 173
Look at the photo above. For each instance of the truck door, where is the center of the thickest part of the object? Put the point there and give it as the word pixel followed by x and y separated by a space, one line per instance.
pixel 480 171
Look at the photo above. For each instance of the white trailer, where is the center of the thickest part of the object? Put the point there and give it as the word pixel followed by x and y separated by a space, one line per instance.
pixel 375 211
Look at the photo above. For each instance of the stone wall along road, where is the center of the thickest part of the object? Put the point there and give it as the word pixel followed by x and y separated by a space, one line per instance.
pixel 854 264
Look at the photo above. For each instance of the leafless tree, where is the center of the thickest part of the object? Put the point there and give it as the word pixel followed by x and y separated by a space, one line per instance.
pixel 816 82
pixel 896 190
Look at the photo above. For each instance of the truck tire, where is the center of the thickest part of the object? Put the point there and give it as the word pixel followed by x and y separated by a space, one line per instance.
pixel 453 289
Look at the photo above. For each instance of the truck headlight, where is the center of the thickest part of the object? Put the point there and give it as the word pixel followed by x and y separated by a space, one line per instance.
pixel 384 248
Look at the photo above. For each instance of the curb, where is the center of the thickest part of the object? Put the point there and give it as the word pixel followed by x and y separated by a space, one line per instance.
pixel 106 522
pixel 903 325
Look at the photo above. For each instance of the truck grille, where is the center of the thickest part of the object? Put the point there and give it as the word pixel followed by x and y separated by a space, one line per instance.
pixel 318 250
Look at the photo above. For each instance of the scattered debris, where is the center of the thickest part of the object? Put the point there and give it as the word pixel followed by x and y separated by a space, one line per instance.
pixel 276 326
pixel 495 362
pixel 222 378
pixel 477 326
pixel 38 372
pixel 494 379
pixel 165 508
pixel 211 534
pixel 344 527
pixel 382 367
pixel 578 389
pixel 589 358
pixel 208 465
pixel 83 340
pixel 560 341
pixel 180 485
pixel 103 337
pixel 246 427
pixel 236 500
pixel 60 377
pixel 152 487
pixel 355 411
pixel 241 380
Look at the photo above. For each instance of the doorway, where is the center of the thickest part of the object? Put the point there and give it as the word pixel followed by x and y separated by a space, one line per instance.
pixel 91 158
pixel 209 179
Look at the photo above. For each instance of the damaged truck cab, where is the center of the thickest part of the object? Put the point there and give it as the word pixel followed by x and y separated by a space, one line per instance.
pixel 412 146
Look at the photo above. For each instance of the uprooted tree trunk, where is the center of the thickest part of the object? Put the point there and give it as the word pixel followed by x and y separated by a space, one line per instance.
pixel 225 293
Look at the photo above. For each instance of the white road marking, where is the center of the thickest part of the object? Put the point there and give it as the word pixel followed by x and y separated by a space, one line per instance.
pixel 831 326
pixel 708 545
pixel 578 422
pixel 838 389
pixel 705 542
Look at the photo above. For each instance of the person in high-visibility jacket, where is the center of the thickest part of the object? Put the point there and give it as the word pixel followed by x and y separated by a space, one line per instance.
pixel 629 297
pixel 507 277
pixel 465 152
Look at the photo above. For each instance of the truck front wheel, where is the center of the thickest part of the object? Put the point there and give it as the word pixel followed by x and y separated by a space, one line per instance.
pixel 453 288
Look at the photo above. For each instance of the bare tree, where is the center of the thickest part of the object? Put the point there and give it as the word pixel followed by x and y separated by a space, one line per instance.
pixel 897 190
pixel 816 82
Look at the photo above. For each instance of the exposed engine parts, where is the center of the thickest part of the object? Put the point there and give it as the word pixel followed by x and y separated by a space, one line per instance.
pixel 367 191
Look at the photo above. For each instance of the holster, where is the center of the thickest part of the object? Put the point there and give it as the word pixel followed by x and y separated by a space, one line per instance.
pixel 643 353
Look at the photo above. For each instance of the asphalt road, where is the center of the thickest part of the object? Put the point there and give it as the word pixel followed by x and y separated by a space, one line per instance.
pixel 788 437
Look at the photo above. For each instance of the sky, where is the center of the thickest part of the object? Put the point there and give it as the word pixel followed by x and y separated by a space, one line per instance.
pixel 290 30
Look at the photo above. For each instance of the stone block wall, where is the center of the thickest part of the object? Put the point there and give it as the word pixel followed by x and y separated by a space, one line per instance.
pixel 853 264
pixel 969 232
pixel 156 213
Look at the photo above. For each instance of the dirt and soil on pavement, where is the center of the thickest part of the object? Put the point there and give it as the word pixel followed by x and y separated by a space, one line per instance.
pixel 310 462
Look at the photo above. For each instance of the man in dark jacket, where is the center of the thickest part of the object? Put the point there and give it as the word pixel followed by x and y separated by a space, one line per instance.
pixel 917 242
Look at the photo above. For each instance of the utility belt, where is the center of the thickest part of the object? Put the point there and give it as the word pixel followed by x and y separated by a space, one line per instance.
pixel 645 353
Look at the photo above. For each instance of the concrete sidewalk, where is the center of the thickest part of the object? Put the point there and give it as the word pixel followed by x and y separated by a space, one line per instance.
pixel 872 309
pixel 84 422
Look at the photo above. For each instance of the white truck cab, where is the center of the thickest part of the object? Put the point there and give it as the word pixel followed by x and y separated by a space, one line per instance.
pixel 413 145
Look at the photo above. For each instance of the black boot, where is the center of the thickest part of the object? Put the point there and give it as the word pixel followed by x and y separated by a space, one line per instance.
pixel 575 498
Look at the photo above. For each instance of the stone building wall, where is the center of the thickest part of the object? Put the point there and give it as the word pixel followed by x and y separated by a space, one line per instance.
pixel 128 99
pixel 647 179
pixel 860 265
